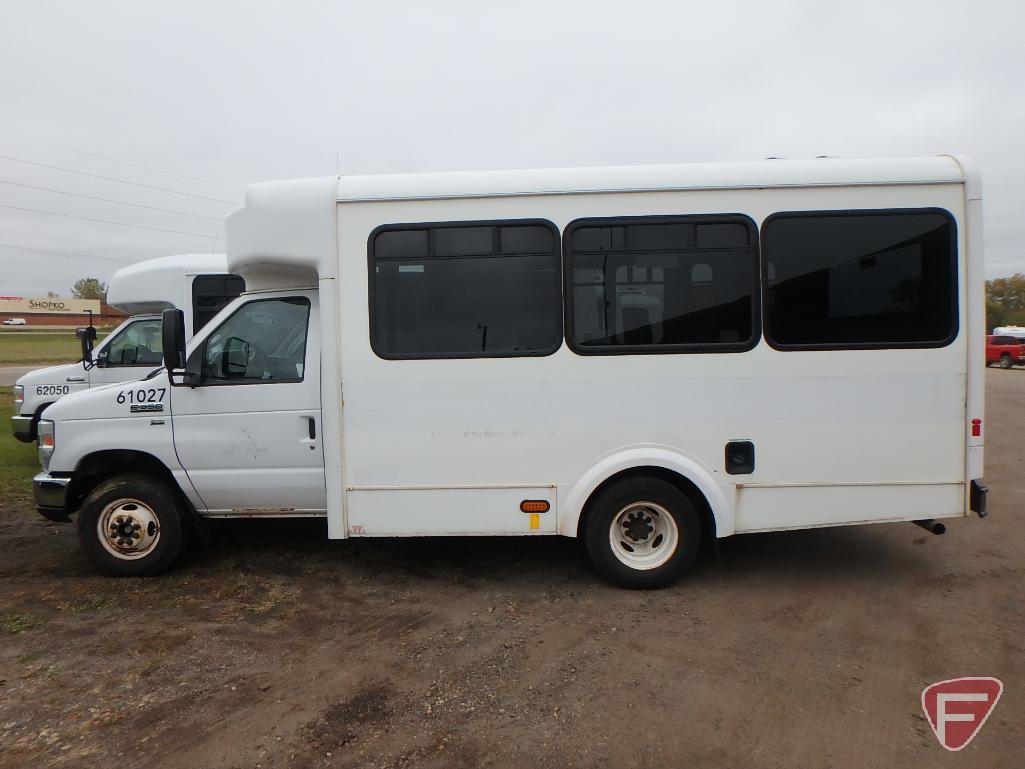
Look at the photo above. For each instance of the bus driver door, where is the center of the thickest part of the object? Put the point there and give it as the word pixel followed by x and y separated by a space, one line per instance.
pixel 248 431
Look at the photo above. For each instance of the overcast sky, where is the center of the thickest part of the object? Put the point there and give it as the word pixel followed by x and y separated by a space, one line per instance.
pixel 199 99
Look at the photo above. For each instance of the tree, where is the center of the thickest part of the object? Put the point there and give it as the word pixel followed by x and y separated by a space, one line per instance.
pixel 1005 301
pixel 52 295
pixel 89 288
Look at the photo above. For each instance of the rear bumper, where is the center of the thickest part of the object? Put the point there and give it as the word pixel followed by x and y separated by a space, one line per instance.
pixel 51 496
pixel 977 498
pixel 22 428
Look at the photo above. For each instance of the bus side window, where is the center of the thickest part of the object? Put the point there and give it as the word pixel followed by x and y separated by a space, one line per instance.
pixel 675 284
pixel 850 279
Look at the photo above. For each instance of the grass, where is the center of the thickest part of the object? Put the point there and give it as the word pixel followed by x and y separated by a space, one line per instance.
pixel 40 348
pixel 18 462
pixel 18 623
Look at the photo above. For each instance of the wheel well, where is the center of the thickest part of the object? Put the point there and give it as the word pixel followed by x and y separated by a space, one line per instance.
pixel 97 467
pixel 684 484
pixel 36 416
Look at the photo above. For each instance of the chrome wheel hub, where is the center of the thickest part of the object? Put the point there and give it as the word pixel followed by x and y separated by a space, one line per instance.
pixel 643 535
pixel 128 529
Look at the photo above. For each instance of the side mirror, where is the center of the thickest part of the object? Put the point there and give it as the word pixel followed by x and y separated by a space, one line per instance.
pixel 234 358
pixel 172 337
pixel 86 337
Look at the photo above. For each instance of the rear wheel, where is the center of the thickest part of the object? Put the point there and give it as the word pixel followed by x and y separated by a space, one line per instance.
pixel 131 525
pixel 642 532
pixel 1005 361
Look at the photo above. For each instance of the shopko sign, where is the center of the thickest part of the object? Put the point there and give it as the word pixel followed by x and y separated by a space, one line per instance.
pixel 19 305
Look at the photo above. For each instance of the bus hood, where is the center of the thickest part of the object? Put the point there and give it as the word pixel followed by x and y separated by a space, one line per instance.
pixel 52 375
pixel 114 401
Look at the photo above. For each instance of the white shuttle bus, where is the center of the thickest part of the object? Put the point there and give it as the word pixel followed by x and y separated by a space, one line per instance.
pixel 645 358
pixel 199 284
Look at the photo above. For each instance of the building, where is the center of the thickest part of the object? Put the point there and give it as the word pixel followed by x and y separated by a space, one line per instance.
pixel 57 311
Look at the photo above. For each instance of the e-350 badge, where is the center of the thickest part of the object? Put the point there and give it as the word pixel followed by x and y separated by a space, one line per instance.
pixel 137 407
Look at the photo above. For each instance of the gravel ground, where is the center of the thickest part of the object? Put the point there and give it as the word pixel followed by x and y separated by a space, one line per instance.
pixel 274 647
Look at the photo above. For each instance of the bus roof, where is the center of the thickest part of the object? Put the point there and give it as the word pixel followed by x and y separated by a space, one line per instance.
pixel 154 285
pixel 554 181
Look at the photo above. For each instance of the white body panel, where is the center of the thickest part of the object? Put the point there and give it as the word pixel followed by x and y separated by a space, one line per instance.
pixel 93 421
pixel 874 420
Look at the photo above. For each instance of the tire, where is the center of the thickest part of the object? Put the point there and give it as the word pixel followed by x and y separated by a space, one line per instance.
pixel 1005 361
pixel 655 510
pixel 151 534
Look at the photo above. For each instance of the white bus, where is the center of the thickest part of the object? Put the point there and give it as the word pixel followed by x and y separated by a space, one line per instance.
pixel 641 357
pixel 199 284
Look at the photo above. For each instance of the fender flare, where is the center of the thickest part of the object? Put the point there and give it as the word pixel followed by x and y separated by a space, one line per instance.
pixel 647 455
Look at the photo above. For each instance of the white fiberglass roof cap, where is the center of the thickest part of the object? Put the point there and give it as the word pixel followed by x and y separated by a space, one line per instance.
pixel 154 285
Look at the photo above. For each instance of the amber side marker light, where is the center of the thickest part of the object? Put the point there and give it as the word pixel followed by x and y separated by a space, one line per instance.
pixel 535 506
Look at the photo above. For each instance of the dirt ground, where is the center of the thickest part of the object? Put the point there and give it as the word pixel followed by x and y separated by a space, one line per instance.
pixel 277 648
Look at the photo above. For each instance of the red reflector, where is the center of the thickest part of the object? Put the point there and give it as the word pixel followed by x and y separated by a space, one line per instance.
pixel 976 428
pixel 535 506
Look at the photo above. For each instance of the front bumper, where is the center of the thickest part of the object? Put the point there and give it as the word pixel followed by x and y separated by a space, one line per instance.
pixel 22 428
pixel 51 493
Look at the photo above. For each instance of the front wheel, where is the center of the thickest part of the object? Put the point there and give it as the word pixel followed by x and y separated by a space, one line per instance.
pixel 642 533
pixel 131 525
pixel 1005 361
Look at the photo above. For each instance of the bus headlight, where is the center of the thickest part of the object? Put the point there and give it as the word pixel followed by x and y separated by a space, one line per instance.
pixel 46 442
pixel 19 397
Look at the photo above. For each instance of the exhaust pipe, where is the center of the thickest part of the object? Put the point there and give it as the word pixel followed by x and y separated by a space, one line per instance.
pixel 931 525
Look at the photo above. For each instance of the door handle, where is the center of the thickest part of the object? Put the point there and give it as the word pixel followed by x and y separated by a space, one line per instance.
pixel 75 379
pixel 311 431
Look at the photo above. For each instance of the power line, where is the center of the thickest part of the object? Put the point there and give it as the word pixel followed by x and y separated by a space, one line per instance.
pixel 109 200
pixel 122 162
pixel 108 221
pixel 73 254
pixel 119 181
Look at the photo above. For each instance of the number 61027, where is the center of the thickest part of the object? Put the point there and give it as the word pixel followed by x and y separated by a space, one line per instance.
pixel 142 395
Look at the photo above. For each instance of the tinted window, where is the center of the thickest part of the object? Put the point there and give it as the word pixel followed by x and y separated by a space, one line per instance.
pixel 662 284
pixel 262 341
pixel 480 289
pixel 867 279
pixel 137 344
pixel 210 294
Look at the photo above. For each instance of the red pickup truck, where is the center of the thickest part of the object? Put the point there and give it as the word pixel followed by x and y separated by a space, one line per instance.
pixel 1006 351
